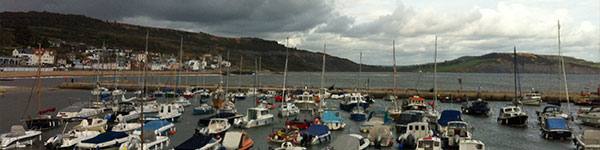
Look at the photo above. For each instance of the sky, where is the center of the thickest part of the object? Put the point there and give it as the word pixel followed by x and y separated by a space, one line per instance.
pixel 348 27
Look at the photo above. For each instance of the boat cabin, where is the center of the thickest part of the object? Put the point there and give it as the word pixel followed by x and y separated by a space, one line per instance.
pixel 429 143
pixel 256 113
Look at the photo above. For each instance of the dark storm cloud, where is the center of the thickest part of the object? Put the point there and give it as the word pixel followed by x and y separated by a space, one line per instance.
pixel 231 16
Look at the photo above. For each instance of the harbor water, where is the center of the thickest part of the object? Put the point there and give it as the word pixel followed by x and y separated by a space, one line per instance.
pixel 14 105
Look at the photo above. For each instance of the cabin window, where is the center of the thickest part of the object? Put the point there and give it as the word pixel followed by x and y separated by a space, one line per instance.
pixel 422 127
pixel 479 146
pixel 169 109
pixel 264 112
pixel 337 114
pixel 437 144
pixel 410 127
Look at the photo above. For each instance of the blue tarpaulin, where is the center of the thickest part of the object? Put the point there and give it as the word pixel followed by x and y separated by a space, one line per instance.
pixel 449 115
pixel 155 125
pixel 556 124
pixel 195 142
pixel 332 116
pixel 298 92
pixel 316 130
pixel 105 137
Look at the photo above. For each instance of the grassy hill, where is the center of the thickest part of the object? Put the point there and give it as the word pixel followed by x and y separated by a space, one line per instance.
pixel 29 28
pixel 503 63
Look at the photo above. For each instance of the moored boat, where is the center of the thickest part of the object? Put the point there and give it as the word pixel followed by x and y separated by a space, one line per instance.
pixel 358 113
pixel 237 140
pixel 587 140
pixel 478 107
pixel 512 115
pixel 590 117
pixel 204 109
pixel 380 136
pixel 69 139
pixel 18 137
pixel 217 126
pixel 333 120
pixel 255 117
pixel 104 140
pixel 315 134
pixel 555 128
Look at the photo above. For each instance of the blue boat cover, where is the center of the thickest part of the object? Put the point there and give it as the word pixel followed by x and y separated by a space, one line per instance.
pixel 105 137
pixel 332 116
pixel 195 142
pixel 316 130
pixel 154 125
pixel 298 92
pixel 167 90
pixel 449 115
pixel 556 123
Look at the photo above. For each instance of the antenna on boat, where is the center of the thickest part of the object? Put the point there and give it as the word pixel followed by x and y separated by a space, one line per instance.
pixel 562 63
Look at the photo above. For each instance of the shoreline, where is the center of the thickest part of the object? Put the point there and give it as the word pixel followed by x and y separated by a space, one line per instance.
pixel 28 74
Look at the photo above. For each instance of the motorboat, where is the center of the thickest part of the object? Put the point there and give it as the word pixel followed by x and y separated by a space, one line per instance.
pixel 231 117
pixel 124 99
pixel 126 112
pixel 298 123
pixel 151 142
pixel 125 127
pixel 348 142
pixel 228 107
pixel 590 117
pixel 237 140
pixel 389 97
pixel 252 92
pixel 512 115
pixel 446 117
pixel 204 93
pixel 203 109
pixel 255 117
pixel 287 134
pixel 151 107
pixel 355 99
pixel 270 94
pixel 333 120
pixel 188 94
pixel 288 109
pixel 429 143
pixel 158 93
pixel 217 126
pixel 453 100
pixel 471 145
pixel 118 92
pixel 183 101
pixel 532 98
pixel 478 107
pixel 159 127
pixel 587 140
pixel 104 140
pixel 550 111
pixel 18 137
pixel 69 139
pixel 91 124
pixel 305 101
pixel 416 103
pixel 380 136
pixel 376 118
pixel 169 93
pixel 239 95
pixel 289 146
pixel 358 113
pixel 78 110
pixel 200 142
pixel 265 104
pixel 455 132
pixel 167 112
pixel 100 91
pixel 394 112
pixel 339 95
pixel 555 128
pixel 315 134
pixel 408 117
pixel 414 131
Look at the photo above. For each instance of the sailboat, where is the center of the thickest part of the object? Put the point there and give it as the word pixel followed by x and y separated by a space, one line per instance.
pixel 513 115
pixel 181 100
pixel 356 99
pixel 432 114
pixel 287 108
pixel 396 110
pixel 41 121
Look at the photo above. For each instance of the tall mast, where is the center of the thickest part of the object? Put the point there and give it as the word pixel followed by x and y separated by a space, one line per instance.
pixel 435 74
pixel 144 92
pixel 287 51
pixel 395 74
pixel 227 76
pixel 180 65
pixel 255 78
pixel 515 74
pixel 241 66
pixel 562 63
pixel 40 53
pixel 321 90
pixel 116 68
pixel 359 71
pixel 259 70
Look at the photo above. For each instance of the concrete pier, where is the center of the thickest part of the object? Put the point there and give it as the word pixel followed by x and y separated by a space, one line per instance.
pixel 377 92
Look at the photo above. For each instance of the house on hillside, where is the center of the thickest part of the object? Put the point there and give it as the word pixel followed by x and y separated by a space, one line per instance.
pixel 32 55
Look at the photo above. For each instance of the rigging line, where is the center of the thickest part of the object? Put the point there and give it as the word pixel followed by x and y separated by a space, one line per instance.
pixel 29 101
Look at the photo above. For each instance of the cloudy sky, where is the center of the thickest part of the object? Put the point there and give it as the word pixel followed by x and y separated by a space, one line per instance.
pixel 463 27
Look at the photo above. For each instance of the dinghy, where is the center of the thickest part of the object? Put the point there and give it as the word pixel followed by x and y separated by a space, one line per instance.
pixel 237 140
pixel 160 127
pixel 204 109
pixel 217 126
pixel 315 134
pixel 287 134
pixel 18 137
pixel 69 140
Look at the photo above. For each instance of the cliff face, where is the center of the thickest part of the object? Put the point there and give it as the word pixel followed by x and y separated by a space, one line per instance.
pixel 28 28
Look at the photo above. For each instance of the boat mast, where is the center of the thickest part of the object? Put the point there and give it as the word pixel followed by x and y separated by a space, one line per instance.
pixel 144 92
pixel 395 75
pixel 40 53
pixel 562 63
pixel 116 68
pixel 435 74
pixel 515 74
pixel 283 91
pixel 259 70
pixel 255 79
pixel 227 76
pixel 359 71
pixel 321 90
pixel 241 66
pixel 179 66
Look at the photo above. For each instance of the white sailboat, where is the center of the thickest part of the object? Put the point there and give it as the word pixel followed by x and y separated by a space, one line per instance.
pixel 395 110
pixel 287 108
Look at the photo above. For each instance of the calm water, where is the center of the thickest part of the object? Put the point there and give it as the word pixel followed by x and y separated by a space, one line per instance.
pixel 495 136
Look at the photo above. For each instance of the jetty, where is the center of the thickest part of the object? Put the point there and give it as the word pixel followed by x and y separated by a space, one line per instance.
pixel 376 92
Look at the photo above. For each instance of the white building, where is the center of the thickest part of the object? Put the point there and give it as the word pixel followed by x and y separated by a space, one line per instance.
pixel 32 55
